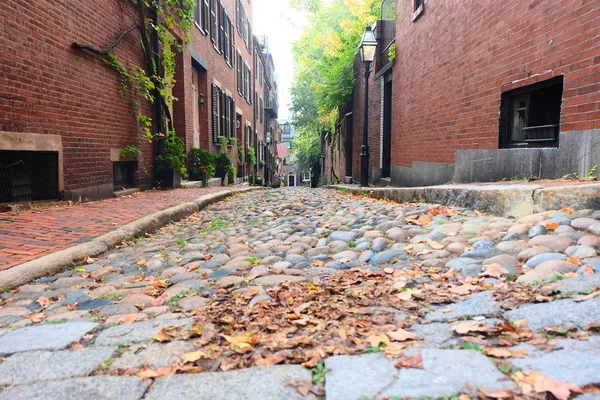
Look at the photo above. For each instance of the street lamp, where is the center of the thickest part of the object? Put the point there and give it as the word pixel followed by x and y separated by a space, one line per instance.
pixel 367 47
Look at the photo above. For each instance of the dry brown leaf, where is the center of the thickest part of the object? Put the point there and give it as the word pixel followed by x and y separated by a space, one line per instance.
pixel 267 361
pixel 89 260
pixel 405 296
pixel 499 394
pixel 434 245
pixel 146 373
pixel 343 334
pixel 470 326
pixel 194 356
pixel 415 362
pixel 193 268
pixel 569 275
pixel 43 301
pixel 463 289
pixel 318 263
pixel 498 352
pixel 519 353
pixel 128 319
pixel 241 343
pixel 401 335
pixel 494 271
pixel 560 390
pixel 423 220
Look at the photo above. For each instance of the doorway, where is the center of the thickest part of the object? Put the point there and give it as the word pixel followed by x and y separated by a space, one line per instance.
pixel 291 179
pixel 386 148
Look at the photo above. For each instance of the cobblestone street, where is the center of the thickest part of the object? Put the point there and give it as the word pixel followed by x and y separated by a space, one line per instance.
pixel 308 293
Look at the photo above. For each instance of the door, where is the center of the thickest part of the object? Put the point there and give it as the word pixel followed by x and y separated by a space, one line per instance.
pixel 292 180
pixel 386 155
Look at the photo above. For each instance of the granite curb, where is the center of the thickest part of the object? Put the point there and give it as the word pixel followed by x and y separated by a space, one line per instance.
pixel 512 201
pixel 64 259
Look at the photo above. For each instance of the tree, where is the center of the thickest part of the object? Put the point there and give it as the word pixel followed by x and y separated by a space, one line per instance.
pixel 157 22
pixel 324 77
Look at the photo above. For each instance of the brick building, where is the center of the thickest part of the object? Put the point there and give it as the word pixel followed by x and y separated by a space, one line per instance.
pixel 63 121
pixel 478 91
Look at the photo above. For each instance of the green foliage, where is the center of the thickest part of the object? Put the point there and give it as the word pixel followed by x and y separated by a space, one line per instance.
pixel 173 155
pixel 590 176
pixel 113 62
pixel 202 165
pixel 319 372
pixel 240 155
pixel 470 346
pixel 231 172
pixel 130 150
pixel 222 141
pixel 251 156
pixel 180 242
pixel 370 350
pixel 222 161
pixel 392 52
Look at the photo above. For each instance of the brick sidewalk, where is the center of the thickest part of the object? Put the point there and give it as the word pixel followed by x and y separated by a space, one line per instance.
pixel 33 234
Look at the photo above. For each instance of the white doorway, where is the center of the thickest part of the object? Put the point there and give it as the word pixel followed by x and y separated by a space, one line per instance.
pixel 292 180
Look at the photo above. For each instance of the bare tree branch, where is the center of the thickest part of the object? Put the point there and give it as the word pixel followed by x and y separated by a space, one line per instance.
pixel 107 49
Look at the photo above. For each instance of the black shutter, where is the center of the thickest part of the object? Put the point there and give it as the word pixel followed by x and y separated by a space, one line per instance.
pixel 213 21
pixel 205 16
pixel 222 111
pixel 197 12
pixel 226 41
pixel 239 72
pixel 215 113
pixel 233 120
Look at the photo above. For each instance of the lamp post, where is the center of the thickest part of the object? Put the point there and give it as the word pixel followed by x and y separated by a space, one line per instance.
pixel 367 48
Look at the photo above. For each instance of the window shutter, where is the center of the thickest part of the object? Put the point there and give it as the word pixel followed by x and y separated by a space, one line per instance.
pixel 213 22
pixel 215 114
pixel 222 114
pixel 233 120
pixel 197 12
pixel 249 38
pixel 226 40
pixel 239 72
pixel 205 16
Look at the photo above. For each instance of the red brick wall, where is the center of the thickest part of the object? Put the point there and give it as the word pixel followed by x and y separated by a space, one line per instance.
pixel 218 70
pixel 48 88
pixel 457 58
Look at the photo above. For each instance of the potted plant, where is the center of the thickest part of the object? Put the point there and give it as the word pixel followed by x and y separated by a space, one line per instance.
pixel 222 163
pixel 202 165
pixel 170 162
pixel 231 175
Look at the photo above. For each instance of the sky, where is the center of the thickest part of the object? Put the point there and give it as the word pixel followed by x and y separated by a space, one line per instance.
pixel 282 26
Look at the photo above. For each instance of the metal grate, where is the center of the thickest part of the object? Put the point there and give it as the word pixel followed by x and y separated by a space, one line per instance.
pixel 28 176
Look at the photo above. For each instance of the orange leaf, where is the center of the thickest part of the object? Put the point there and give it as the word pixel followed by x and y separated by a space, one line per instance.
pixel 343 334
pixel 560 390
pixel 128 319
pixel 494 271
pixel 498 352
pixel 464 289
pixel 423 220
pixel 411 362
pixel 318 263
pixel 552 226
pixel 567 210
pixel 470 326
pixel 401 335
pixel 574 260
pixel 588 271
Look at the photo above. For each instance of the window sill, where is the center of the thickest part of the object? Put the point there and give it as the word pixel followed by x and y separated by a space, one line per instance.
pixel 418 12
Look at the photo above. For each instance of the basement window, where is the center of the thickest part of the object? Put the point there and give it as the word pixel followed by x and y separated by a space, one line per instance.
pixel 530 116
pixel 125 175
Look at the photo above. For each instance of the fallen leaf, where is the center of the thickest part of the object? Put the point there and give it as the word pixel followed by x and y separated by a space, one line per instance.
pixel 128 319
pixel 567 210
pixel 470 326
pixel 241 343
pixel 267 361
pixel 574 260
pixel 410 362
pixel 423 220
pixel 401 335
pixel 162 336
pixel 405 296
pixel 519 353
pixel 588 271
pixel 43 301
pixel 463 289
pixel 552 226
pixel 76 346
pixel 560 390
pixel 499 394
pixel 147 373
pixel 193 268
pixel 343 334
pixel 494 271
pixel 318 263
pixel 569 275
pixel 498 352
pixel 194 356
pixel 89 260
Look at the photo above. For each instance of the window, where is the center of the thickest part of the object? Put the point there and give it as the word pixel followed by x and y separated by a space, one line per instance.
pixel 262 110
pixel 306 177
pixel 197 12
pixel 418 3
pixel 213 21
pixel 530 116
pixel 231 43
pixel 221 28
pixel 256 105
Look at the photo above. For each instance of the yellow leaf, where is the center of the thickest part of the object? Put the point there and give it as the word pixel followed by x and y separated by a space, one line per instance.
pixel 80 269
pixel 343 334
pixel 162 337
pixel 128 319
pixel 194 356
